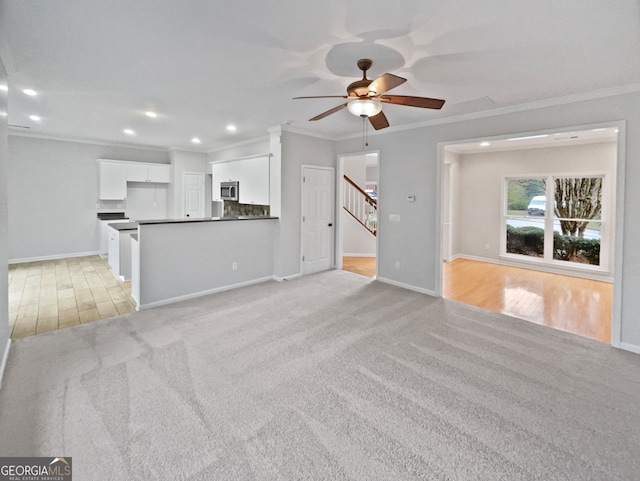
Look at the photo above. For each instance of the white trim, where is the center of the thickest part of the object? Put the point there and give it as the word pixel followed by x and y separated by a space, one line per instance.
pixel 298 130
pixel 568 99
pixel 629 347
pixel 247 157
pixel 53 257
pixel 287 278
pixel 194 295
pixel 5 358
pixel 240 143
pixel 357 254
pixel 406 286
pixel 534 267
pixel 77 140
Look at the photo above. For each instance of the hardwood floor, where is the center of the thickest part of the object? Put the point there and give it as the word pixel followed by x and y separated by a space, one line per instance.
pixel 365 266
pixel 579 306
pixel 49 295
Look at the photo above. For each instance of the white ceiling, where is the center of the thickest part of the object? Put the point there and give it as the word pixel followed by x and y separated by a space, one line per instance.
pixel 99 65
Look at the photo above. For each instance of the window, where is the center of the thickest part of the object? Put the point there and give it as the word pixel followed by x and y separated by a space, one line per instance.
pixel 555 219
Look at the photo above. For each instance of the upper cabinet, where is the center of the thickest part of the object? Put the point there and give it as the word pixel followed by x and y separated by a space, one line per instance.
pixel 252 175
pixel 113 180
pixel 114 175
pixel 141 172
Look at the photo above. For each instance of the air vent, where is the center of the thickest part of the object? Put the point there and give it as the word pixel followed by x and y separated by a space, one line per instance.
pixel 19 126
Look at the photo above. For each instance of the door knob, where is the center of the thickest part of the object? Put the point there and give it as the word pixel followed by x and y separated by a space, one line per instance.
pixel 330 224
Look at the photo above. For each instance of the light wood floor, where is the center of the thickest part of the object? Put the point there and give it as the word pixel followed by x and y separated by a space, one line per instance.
pixel 365 266
pixel 49 295
pixel 571 304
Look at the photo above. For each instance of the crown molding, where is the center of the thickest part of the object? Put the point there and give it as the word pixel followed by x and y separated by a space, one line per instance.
pixel 538 104
pixel 78 140
pixel 308 133
pixel 253 140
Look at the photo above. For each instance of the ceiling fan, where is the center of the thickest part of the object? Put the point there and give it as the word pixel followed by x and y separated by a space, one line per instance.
pixel 367 96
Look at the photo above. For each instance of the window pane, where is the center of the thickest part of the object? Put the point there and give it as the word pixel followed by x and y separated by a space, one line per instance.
pixel 525 197
pixel 583 249
pixel 577 199
pixel 525 237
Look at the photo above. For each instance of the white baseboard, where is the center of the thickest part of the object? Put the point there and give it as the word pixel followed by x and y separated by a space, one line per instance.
pixel 630 347
pixel 357 254
pixel 537 267
pixel 5 357
pixel 48 258
pixel 407 286
pixel 287 278
pixel 186 297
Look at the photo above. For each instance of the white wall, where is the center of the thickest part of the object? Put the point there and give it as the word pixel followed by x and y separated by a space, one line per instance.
pixel 53 192
pixel 409 165
pixel 5 330
pixel 480 187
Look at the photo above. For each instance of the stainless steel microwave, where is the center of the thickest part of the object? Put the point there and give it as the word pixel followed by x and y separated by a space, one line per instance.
pixel 229 190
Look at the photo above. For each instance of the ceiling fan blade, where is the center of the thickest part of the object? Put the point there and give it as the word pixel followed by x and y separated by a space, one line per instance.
pixel 386 82
pixel 379 121
pixel 323 97
pixel 329 112
pixel 423 102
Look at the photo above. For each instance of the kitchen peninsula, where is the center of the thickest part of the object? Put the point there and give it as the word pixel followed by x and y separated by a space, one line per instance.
pixel 178 259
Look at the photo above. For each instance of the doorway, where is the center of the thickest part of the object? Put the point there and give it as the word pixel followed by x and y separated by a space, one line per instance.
pixel 193 189
pixel 488 223
pixel 317 218
pixel 358 187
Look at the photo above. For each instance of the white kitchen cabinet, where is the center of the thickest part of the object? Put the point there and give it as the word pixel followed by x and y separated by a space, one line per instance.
pixel 113 180
pixel 254 181
pixel 103 235
pixel 252 175
pixel 120 252
pixel 142 172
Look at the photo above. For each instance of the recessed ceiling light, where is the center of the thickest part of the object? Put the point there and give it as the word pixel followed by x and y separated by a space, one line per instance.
pixel 34 117
pixel 129 132
pixel 153 115
pixel 30 92
pixel 231 128
pixel 195 140
pixel 4 87
pixel 484 144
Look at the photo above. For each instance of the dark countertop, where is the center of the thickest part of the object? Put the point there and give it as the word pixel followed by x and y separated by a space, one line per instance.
pixel 124 226
pixel 111 215
pixel 134 236
pixel 205 219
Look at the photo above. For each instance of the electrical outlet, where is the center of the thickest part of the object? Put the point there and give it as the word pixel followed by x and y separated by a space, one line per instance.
pixel 398 265
pixel 234 266
pixel 394 217
pixel 487 247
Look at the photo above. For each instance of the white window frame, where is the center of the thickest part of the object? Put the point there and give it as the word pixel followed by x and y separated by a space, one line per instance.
pixel 547 259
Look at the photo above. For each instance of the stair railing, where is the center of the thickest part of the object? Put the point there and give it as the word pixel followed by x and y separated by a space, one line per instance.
pixel 360 205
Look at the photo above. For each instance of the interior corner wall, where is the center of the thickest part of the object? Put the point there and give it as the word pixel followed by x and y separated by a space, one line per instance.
pixel 5 329
pixel 181 162
pixel 53 193
pixel 409 165
pixel 481 186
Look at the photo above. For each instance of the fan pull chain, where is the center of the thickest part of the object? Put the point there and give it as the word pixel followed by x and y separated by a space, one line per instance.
pixel 365 137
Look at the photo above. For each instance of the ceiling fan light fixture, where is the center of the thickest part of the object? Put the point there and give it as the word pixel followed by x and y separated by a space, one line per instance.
pixel 365 107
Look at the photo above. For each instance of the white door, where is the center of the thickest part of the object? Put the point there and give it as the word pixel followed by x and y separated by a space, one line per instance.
pixel 193 190
pixel 317 218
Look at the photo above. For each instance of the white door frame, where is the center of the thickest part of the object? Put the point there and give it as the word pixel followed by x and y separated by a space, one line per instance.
pixel 442 189
pixel 184 191
pixel 333 241
pixel 339 195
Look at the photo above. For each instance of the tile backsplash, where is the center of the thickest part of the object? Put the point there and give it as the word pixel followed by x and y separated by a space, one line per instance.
pixel 236 208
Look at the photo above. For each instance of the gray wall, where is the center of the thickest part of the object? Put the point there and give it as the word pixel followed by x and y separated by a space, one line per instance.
pixel 480 185
pixel 53 192
pixel 409 165
pixel 5 330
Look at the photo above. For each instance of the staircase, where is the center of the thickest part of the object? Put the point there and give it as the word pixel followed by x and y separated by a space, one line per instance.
pixel 360 205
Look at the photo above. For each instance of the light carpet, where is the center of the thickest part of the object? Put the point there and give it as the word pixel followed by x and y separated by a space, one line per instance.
pixel 332 376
